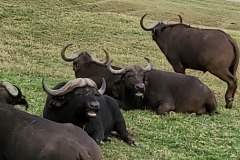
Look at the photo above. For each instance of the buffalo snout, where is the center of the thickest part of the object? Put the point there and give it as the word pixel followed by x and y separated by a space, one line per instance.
pixel 93 108
pixel 94 105
pixel 139 89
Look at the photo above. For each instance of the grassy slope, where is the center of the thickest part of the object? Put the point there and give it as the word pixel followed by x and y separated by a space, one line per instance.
pixel 33 32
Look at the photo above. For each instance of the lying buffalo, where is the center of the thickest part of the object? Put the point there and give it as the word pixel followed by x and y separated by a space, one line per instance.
pixel 79 102
pixel 160 91
pixel 201 49
pixel 11 94
pixel 85 66
pixel 28 137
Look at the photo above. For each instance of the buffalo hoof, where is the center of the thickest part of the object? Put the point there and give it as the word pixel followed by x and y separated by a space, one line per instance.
pixel 229 104
pixel 134 144
pixel 213 113
pixel 101 143
pixel 108 139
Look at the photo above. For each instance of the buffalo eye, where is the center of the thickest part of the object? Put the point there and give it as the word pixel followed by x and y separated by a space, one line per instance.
pixel 129 75
pixel 61 97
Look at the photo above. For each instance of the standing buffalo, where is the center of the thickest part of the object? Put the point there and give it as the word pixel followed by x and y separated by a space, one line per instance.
pixel 79 102
pixel 161 91
pixel 201 49
pixel 11 94
pixel 85 67
pixel 29 137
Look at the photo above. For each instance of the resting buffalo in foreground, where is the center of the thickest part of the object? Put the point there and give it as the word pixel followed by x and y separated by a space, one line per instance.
pixel 201 49
pixel 85 66
pixel 162 91
pixel 28 137
pixel 79 102
pixel 11 94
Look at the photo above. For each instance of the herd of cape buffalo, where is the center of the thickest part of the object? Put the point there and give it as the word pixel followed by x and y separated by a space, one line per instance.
pixel 82 113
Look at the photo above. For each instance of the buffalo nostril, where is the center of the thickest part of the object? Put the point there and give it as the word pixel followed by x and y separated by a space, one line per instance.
pixel 140 86
pixel 94 104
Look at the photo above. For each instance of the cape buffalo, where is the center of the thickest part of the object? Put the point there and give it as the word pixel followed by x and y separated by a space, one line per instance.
pixel 28 137
pixel 161 91
pixel 11 94
pixel 202 49
pixel 79 102
pixel 85 66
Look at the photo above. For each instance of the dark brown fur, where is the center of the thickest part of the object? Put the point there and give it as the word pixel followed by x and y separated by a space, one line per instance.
pixel 202 49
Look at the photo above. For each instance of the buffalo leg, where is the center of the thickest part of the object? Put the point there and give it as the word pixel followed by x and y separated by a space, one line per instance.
pixel 202 110
pixel 179 70
pixel 164 108
pixel 231 81
pixel 98 134
pixel 122 131
pixel 177 65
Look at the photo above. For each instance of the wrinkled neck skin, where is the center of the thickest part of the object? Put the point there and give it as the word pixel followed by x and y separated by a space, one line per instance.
pixel 160 39
pixel 127 99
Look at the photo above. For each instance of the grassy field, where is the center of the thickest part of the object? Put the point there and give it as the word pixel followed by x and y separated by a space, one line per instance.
pixel 33 32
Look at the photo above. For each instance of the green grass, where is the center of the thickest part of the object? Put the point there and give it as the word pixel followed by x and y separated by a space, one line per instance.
pixel 33 33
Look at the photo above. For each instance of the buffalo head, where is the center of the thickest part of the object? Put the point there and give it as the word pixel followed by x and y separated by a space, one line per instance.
pixel 12 95
pixel 77 96
pixel 81 59
pixel 131 83
pixel 158 27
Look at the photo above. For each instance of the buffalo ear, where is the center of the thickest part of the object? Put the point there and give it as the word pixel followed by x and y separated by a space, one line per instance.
pixel 154 34
pixel 75 66
pixel 117 86
pixel 145 79
pixel 57 102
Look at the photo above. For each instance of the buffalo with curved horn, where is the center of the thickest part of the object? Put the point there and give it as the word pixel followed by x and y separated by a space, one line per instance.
pixel 162 92
pixel 209 50
pixel 79 102
pixel 131 81
pixel 85 67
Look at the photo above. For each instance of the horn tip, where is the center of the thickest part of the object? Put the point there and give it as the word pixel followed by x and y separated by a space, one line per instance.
pixel 69 44
pixel 109 62
pixel 103 49
pixel 147 58
pixel 143 16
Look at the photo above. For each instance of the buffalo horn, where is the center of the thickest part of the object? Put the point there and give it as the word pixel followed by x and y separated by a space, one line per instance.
pixel 147 28
pixel 71 58
pixel 12 89
pixel 180 19
pixel 103 87
pixel 150 66
pixel 107 57
pixel 19 91
pixel 75 55
pixel 120 71
pixel 69 86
